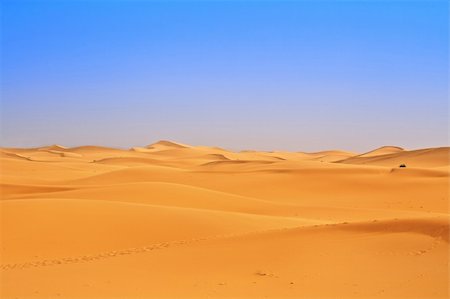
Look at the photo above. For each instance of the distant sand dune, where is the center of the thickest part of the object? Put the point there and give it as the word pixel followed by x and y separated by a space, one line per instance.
pixel 54 147
pixel 127 161
pixel 384 150
pixel 433 157
pixel 164 144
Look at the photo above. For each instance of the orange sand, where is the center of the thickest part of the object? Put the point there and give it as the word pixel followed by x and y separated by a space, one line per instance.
pixel 176 221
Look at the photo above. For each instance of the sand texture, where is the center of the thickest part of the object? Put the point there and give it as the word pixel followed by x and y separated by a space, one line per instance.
pixel 171 220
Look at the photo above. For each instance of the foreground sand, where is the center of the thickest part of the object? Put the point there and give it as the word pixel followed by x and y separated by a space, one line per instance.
pixel 176 221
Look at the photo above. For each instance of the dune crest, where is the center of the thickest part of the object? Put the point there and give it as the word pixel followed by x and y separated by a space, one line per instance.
pixel 177 221
pixel 425 158
pixel 166 144
pixel 384 150
pixel 55 147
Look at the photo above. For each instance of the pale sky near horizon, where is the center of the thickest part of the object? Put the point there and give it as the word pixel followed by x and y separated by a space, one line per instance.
pixel 269 75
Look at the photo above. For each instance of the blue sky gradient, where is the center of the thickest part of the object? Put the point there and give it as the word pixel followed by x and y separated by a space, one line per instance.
pixel 270 75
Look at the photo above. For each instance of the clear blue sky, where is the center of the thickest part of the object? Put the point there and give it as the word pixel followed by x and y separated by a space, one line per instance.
pixel 294 75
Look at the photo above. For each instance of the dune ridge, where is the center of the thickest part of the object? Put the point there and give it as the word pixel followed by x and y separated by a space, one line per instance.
pixel 171 220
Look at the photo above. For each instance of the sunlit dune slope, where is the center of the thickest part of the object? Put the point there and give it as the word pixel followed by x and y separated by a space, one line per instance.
pixel 171 220
pixel 432 157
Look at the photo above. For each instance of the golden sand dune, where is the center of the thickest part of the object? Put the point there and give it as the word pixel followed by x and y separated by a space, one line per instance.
pixel 384 150
pixel 171 220
pixel 431 157
pixel 164 144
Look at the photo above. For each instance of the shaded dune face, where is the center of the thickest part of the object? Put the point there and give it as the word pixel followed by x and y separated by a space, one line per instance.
pixel 171 220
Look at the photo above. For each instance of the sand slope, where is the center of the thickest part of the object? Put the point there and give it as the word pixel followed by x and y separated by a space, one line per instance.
pixel 432 157
pixel 171 220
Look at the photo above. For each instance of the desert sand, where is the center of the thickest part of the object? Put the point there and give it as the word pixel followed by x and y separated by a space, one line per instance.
pixel 171 220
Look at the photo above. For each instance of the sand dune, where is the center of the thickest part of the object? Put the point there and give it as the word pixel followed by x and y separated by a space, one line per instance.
pixel 166 144
pixel 123 225
pixel 384 150
pixel 130 161
pixel 433 157
pixel 54 147
pixel 171 220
